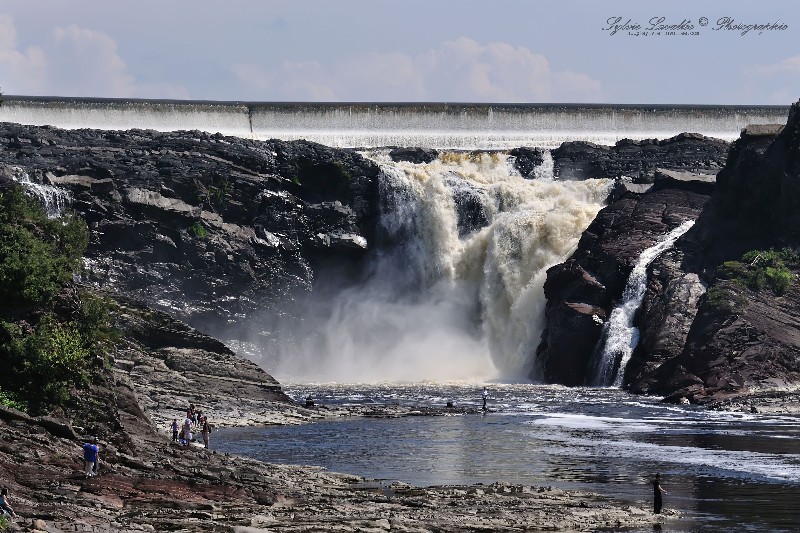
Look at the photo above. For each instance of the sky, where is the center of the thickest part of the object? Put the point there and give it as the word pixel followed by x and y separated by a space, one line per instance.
pixel 528 51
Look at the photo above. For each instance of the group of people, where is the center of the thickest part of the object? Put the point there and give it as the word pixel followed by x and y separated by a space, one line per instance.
pixel 183 433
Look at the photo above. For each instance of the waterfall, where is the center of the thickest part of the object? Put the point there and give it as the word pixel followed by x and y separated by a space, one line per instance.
pixel 53 199
pixel 455 291
pixel 621 336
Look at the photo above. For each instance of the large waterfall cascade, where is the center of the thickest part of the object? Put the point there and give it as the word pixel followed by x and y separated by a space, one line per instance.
pixel 445 126
pixel 620 336
pixel 449 299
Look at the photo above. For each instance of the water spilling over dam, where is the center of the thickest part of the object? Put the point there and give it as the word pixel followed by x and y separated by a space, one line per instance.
pixel 434 125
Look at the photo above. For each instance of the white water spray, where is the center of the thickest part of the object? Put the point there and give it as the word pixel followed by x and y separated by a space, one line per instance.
pixel 53 199
pixel 449 302
pixel 621 336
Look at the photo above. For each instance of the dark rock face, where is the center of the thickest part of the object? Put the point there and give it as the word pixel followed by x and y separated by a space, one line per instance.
pixel 702 338
pixel 639 160
pixel 212 229
pixel 414 155
pixel 470 205
pixel 582 292
pixel 740 340
pixel 527 159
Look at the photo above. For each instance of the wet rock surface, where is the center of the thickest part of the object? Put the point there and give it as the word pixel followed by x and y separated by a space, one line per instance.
pixel 639 160
pixel 582 292
pixel 704 338
pixel 215 230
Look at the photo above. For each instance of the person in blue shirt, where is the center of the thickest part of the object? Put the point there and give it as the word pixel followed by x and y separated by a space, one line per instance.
pixel 5 508
pixel 91 454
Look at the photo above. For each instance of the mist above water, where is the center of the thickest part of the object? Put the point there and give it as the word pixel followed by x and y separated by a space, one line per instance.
pixel 454 290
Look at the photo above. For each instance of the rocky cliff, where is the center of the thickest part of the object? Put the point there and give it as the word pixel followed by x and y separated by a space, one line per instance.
pixel 718 319
pixel 215 230
pixel 745 337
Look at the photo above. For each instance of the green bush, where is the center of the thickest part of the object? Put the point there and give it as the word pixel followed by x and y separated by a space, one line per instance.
pixel 10 400
pixel 37 255
pixel 43 361
pixel 198 230
pixel 760 269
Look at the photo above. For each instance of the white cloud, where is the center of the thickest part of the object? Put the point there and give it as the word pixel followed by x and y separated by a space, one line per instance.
pixel 73 61
pixel 87 64
pixel 460 70
pixel 788 65
pixel 777 81
pixel 20 72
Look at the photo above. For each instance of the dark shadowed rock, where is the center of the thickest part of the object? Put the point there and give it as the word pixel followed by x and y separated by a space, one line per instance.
pixel 215 230
pixel 639 160
pixel 742 339
pixel 470 205
pixel 414 155
pixel 597 272
pixel 687 181
pixel 526 160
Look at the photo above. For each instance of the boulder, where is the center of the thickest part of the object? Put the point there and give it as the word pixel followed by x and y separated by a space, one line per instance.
pixel 527 160
pixel 414 155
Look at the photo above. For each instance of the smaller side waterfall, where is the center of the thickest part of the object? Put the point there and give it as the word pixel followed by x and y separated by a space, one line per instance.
pixel 620 335
pixel 53 199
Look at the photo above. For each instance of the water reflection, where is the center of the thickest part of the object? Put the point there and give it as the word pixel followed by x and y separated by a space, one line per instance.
pixel 722 470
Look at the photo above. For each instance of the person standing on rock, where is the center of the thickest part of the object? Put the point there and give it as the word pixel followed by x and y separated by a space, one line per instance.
pixel 187 430
pixel 90 455
pixel 5 508
pixel 206 431
pixel 485 397
pixel 174 430
pixel 657 492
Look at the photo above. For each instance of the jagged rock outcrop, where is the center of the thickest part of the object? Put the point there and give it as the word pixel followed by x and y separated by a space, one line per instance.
pixel 743 339
pixel 414 155
pixel 706 334
pixel 212 229
pixel 582 292
pixel 689 152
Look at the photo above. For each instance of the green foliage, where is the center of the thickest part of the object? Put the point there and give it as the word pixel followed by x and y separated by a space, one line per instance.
pixel 47 336
pixel 95 325
pixel 42 361
pixel 4 525
pixel 37 255
pixel 10 400
pixel 759 269
pixel 198 230
pixel 721 298
pixel 213 192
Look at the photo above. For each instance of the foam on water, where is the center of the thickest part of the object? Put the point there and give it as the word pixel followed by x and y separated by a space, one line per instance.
pixel 445 300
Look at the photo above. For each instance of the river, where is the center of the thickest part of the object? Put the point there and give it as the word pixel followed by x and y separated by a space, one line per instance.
pixel 722 470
